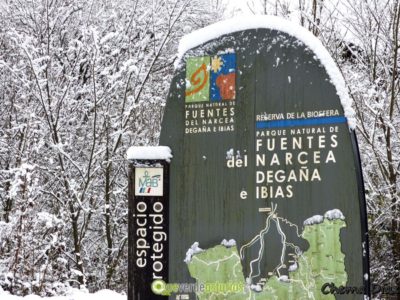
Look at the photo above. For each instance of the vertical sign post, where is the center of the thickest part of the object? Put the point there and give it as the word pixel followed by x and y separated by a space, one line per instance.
pixel 148 221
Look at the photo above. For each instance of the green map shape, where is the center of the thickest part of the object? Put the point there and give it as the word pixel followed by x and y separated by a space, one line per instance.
pixel 323 262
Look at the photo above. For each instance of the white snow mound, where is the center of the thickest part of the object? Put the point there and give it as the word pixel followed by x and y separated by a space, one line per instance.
pixel 284 278
pixel 334 214
pixel 228 244
pixel 293 267
pixel 256 287
pixel 229 153
pixel 317 219
pixel 194 249
pixel 149 152
pixel 236 24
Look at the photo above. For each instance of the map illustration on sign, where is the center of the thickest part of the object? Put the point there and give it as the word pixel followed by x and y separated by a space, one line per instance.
pixel 308 271
pixel 266 161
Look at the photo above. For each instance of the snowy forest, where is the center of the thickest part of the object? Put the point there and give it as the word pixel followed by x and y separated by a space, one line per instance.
pixel 81 81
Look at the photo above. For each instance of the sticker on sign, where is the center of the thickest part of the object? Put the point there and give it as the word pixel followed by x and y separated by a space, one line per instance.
pixel 149 182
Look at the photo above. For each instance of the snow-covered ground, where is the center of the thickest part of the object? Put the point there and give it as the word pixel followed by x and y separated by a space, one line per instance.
pixel 74 294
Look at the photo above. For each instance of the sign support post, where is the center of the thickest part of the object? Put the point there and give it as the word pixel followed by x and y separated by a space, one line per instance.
pixel 148 220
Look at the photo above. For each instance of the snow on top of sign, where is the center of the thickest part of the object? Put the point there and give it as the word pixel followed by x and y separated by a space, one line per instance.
pixel 194 249
pixel 293 267
pixel 229 153
pixel 229 243
pixel 317 219
pixel 256 287
pixel 364 250
pixel 149 152
pixel 216 30
pixel 334 214
pixel 284 278
pixel 226 51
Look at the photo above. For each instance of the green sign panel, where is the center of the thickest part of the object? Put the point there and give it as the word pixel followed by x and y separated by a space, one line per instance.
pixel 266 195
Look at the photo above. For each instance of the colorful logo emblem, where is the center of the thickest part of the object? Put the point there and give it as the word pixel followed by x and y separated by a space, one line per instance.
pixel 148 181
pixel 211 78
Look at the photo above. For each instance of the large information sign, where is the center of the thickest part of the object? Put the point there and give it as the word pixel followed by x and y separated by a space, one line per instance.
pixel 266 194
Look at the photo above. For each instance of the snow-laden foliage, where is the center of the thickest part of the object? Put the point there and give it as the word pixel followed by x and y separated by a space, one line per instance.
pixel 80 81
pixel 371 67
